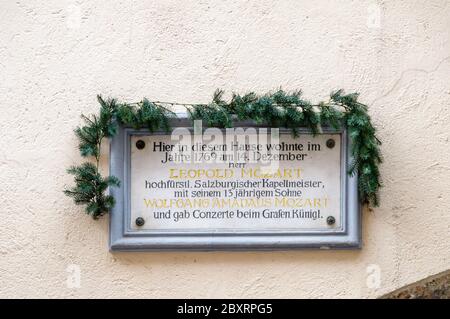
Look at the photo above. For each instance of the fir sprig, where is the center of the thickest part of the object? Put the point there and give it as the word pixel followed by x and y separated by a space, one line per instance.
pixel 90 189
pixel 277 109
pixel 90 186
pixel 144 114
pixel 365 146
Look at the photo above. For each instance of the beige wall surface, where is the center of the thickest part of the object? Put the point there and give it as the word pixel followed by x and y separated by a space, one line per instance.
pixel 55 56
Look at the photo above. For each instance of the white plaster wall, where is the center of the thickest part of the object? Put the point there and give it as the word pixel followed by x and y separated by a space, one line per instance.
pixel 55 56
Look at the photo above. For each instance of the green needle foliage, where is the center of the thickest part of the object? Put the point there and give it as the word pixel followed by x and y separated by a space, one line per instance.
pixel 276 109
pixel 144 114
pixel 90 186
pixel 90 189
pixel 365 146
pixel 214 114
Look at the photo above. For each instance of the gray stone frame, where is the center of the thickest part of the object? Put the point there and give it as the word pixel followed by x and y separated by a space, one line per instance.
pixel 123 238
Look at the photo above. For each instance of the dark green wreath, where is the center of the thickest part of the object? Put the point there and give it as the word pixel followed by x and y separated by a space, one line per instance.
pixel 278 109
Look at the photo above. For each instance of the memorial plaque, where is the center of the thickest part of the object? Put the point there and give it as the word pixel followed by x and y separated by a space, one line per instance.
pixel 246 188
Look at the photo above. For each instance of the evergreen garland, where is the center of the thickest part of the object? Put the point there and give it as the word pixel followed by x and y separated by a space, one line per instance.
pixel 278 109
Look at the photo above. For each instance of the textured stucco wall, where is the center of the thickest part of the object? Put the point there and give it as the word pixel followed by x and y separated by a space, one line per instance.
pixel 55 56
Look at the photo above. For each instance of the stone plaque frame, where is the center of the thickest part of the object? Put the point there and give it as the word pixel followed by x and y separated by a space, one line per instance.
pixel 124 238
